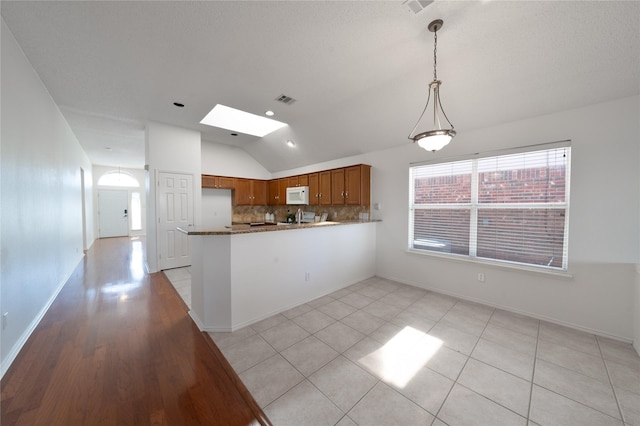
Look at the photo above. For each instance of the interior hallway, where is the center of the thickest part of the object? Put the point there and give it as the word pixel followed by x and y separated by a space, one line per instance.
pixel 118 347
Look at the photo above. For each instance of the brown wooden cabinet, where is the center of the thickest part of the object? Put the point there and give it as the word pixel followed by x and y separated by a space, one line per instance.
pixel 250 192
pixel 351 185
pixel 343 186
pixel 324 197
pixel 272 193
pixel 314 188
pixel 337 187
pixel 300 180
pixel 218 182
pixel 277 192
pixel 259 192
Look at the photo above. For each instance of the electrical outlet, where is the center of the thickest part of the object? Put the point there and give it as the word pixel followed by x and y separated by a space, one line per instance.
pixel 481 277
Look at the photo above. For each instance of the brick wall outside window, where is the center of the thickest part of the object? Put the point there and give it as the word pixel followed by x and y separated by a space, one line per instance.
pixel 516 212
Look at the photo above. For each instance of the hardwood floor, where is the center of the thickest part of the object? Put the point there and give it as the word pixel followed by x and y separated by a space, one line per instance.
pixel 117 347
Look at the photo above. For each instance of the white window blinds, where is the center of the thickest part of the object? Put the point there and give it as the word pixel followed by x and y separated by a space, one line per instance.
pixel 511 208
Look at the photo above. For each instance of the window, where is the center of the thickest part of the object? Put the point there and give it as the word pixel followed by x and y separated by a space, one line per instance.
pixel 118 178
pixel 136 211
pixel 508 208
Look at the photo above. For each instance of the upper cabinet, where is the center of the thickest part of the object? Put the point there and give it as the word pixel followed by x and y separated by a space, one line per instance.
pixel 218 182
pixel 314 189
pixel 351 185
pixel 342 186
pixel 300 180
pixel 324 197
pixel 277 192
pixel 337 186
pixel 250 192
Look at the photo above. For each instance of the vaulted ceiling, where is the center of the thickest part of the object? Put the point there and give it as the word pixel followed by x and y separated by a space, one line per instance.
pixel 358 70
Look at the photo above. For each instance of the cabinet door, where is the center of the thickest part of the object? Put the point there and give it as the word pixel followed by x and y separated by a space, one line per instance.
pixel 314 189
pixel 259 192
pixel 352 185
pixel 243 192
pixel 337 187
pixel 208 181
pixel 365 185
pixel 273 191
pixel 325 188
pixel 303 180
pixel 217 182
pixel 292 181
pixel 282 191
pixel 226 182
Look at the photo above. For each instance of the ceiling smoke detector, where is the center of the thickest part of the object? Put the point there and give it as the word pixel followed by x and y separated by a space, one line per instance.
pixel 288 100
pixel 417 6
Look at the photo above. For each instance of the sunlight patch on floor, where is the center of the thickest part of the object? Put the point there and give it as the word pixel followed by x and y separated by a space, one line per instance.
pixel 402 357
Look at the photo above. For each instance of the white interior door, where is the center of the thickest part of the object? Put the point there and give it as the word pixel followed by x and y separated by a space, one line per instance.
pixel 113 219
pixel 175 209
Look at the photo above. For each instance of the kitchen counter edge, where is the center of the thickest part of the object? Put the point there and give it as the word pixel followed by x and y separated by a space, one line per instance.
pixel 269 228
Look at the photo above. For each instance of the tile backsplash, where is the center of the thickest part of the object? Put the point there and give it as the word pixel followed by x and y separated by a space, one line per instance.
pixel 245 214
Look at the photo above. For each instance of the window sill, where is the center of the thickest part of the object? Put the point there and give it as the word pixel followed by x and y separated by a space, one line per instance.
pixel 494 264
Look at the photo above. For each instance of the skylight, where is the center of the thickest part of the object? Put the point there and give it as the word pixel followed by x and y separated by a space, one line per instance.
pixel 240 121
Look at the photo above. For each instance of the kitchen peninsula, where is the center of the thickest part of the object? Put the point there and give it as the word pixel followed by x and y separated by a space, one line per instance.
pixel 241 275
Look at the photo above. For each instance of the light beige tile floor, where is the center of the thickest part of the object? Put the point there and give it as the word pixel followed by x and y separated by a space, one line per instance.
pixel 383 353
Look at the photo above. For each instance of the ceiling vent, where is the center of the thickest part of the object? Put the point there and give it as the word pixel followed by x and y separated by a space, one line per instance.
pixel 288 100
pixel 417 6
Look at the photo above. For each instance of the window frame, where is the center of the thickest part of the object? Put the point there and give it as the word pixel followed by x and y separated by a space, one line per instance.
pixel 474 205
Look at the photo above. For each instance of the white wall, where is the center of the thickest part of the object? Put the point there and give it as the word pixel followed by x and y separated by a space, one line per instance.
pixel 228 295
pixel 169 149
pixel 216 208
pixel 41 225
pixel 604 230
pixel 226 160
pixel 636 312
pixel 139 174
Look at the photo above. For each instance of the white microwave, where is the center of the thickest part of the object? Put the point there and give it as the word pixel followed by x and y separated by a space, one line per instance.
pixel 298 195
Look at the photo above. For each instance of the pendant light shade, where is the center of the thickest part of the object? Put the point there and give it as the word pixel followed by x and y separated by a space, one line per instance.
pixel 438 137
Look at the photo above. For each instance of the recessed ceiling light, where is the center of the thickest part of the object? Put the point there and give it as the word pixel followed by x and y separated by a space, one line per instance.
pixel 240 121
pixel 291 143
pixel 108 148
pixel 269 113
pixel 234 134
pixel 178 104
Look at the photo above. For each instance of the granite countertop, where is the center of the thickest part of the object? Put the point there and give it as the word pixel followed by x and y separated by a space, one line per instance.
pixel 265 227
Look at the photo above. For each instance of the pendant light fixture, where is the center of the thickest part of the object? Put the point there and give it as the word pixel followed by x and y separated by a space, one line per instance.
pixel 437 138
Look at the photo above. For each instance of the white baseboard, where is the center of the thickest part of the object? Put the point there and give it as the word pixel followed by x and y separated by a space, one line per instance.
pixel 511 309
pixel 270 314
pixel 195 319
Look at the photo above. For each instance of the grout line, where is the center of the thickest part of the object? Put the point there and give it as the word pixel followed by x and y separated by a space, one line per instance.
pixel 465 362
pixel 533 373
pixel 613 389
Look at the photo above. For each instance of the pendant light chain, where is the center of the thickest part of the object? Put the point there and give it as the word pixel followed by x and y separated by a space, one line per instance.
pixel 435 57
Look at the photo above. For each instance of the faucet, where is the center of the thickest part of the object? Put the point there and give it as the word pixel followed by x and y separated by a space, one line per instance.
pixel 299 216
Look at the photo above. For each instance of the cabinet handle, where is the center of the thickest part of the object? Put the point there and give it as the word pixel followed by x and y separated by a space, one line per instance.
pixel 342 194
pixel 321 195
pixel 346 194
